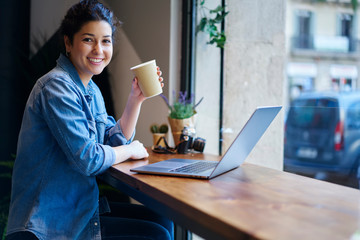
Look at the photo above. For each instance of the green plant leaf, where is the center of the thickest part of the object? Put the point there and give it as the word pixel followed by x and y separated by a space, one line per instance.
pixel 217 9
pixel 9 164
pixel 5 175
pixel 154 128
pixel 201 25
pixel 220 17
pixel 182 111
pixel 163 128
pixel 354 4
pixel 212 30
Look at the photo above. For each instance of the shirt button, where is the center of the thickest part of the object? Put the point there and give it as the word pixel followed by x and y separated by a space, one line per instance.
pixel 95 223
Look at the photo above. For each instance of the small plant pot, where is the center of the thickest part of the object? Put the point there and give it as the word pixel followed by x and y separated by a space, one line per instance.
pixel 157 136
pixel 177 125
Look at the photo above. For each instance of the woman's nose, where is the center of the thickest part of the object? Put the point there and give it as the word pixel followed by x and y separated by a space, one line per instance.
pixel 97 48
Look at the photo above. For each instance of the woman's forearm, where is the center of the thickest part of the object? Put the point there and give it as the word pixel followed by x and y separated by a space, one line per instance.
pixel 130 116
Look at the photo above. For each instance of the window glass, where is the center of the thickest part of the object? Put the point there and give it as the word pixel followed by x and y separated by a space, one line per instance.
pixel 322 119
pixel 346 24
pixel 303 35
pixel 312 113
pixel 322 137
pixel 353 117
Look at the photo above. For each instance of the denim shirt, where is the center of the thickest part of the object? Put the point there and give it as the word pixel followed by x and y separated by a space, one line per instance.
pixel 64 142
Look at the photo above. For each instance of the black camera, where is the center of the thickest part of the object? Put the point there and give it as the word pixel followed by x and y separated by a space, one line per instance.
pixel 188 142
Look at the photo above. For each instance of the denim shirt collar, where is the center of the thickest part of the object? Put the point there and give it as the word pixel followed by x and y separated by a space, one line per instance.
pixel 65 63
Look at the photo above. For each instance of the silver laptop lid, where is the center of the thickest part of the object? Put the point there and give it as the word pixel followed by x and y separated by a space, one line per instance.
pixel 246 139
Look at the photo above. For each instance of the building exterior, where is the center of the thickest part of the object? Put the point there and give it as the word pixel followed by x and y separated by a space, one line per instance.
pixel 322 46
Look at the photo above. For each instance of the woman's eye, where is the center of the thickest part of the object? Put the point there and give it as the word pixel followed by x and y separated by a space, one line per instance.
pixel 87 40
pixel 107 41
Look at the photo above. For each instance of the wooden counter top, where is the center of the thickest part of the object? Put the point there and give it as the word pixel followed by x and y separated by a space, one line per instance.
pixel 250 202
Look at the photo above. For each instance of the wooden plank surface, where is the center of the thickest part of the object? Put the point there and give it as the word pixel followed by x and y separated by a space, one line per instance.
pixel 250 202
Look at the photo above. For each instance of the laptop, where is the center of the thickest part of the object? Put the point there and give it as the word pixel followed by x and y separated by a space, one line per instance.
pixel 236 154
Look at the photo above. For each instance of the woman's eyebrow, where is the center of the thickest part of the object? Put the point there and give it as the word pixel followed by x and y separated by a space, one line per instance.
pixel 89 34
pixel 93 35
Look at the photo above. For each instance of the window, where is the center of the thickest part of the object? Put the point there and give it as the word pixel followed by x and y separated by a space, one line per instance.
pixel 341 84
pixel 252 77
pixel 303 35
pixel 346 29
pixel 353 117
pixel 346 25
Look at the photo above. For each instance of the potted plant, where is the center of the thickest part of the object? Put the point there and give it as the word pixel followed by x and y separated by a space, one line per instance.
pixel 158 133
pixel 182 114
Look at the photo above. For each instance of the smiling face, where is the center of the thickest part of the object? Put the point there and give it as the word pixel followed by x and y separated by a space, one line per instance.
pixel 91 49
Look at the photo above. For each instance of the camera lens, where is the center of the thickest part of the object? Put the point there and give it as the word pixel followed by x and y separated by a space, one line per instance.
pixel 199 144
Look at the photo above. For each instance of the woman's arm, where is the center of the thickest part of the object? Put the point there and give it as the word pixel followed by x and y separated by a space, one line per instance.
pixel 131 112
pixel 132 109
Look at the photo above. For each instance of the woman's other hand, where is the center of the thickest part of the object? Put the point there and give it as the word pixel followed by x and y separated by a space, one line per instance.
pixel 161 80
pixel 135 150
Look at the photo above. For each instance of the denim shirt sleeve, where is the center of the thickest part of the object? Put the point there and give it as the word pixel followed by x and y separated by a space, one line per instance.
pixel 63 110
pixel 114 135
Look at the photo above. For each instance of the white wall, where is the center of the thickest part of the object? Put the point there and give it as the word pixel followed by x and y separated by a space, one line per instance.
pixel 145 35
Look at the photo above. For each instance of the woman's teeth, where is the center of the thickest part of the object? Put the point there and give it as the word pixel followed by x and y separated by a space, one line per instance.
pixel 95 60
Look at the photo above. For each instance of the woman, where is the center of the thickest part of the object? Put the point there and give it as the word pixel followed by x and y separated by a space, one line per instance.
pixel 67 138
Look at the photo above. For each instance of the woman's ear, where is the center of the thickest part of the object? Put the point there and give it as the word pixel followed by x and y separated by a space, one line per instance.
pixel 67 44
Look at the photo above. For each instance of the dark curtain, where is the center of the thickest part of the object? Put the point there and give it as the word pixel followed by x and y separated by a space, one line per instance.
pixel 14 48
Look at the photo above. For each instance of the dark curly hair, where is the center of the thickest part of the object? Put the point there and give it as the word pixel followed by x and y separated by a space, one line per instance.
pixel 84 12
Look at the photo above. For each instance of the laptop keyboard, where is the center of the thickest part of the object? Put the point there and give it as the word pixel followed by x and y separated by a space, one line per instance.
pixel 196 167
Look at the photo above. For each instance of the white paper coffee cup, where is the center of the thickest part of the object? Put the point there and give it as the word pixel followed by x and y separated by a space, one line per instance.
pixel 148 78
